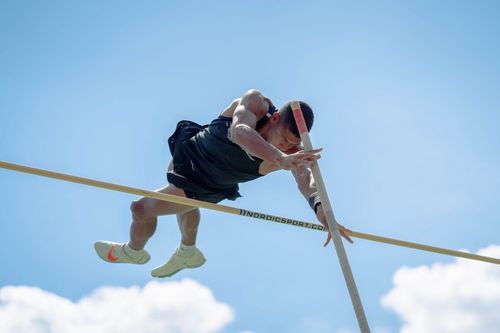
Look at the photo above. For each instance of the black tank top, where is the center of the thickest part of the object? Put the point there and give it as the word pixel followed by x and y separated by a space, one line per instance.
pixel 218 160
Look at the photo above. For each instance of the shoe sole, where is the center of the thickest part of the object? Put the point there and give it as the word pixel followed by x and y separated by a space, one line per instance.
pixel 180 269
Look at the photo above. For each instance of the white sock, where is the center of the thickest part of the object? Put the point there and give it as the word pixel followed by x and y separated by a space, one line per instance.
pixel 131 252
pixel 186 251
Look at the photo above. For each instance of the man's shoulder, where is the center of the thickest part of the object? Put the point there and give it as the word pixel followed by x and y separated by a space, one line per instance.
pixel 254 101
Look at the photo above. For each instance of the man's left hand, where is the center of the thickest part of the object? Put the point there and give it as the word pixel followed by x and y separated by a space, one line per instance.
pixel 344 232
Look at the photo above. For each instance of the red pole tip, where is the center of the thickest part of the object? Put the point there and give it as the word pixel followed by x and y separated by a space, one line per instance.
pixel 299 117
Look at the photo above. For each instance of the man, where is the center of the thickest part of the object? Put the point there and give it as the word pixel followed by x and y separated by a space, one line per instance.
pixel 250 139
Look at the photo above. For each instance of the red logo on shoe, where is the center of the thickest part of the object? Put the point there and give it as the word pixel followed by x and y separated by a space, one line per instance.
pixel 110 254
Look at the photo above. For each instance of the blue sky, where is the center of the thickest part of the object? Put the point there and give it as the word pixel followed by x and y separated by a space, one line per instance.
pixel 407 112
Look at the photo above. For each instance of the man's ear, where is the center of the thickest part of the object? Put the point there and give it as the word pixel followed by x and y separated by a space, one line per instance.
pixel 275 117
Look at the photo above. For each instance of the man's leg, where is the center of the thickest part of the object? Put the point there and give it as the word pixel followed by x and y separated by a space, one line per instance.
pixel 187 255
pixel 145 212
pixel 144 218
pixel 188 225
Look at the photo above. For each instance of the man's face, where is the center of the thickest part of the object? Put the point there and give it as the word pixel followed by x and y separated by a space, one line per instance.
pixel 280 136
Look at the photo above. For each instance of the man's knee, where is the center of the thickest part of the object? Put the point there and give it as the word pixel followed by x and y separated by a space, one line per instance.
pixel 138 209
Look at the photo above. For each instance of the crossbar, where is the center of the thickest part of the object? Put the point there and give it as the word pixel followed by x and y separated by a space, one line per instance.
pixel 237 211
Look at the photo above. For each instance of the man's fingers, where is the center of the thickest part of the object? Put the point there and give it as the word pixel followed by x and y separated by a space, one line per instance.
pixel 309 156
pixel 346 237
pixel 342 233
pixel 327 239
pixel 314 151
pixel 345 233
pixel 309 161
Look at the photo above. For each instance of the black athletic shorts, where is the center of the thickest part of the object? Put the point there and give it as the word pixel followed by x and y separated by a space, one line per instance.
pixel 183 176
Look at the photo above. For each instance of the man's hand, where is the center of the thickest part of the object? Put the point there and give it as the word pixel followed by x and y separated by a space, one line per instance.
pixel 344 232
pixel 296 160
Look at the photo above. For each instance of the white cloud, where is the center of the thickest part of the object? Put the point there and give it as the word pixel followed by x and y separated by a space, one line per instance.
pixel 172 307
pixel 460 297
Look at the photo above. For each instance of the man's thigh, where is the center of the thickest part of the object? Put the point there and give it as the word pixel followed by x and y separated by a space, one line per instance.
pixel 154 207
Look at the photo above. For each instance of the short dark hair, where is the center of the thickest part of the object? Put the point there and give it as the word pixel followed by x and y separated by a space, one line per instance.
pixel 286 113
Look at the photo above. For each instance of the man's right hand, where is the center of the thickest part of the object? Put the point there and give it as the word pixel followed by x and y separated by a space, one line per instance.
pixel 296 160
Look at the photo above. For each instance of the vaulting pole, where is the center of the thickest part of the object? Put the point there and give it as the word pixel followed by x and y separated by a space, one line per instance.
pixel 332 222
pixel 238 211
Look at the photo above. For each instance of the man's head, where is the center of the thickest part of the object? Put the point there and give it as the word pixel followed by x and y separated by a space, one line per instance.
pixel 282 131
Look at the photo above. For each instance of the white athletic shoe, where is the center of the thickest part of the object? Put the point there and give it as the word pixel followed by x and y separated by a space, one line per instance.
pixel 177 262
pixel 116 253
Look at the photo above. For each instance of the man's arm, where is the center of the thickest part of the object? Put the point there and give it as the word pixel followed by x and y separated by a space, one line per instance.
pixel 307 186
pixel 305 181
pixel 253 106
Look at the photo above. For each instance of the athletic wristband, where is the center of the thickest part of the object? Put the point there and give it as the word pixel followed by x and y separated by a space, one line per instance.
pixel 314 201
